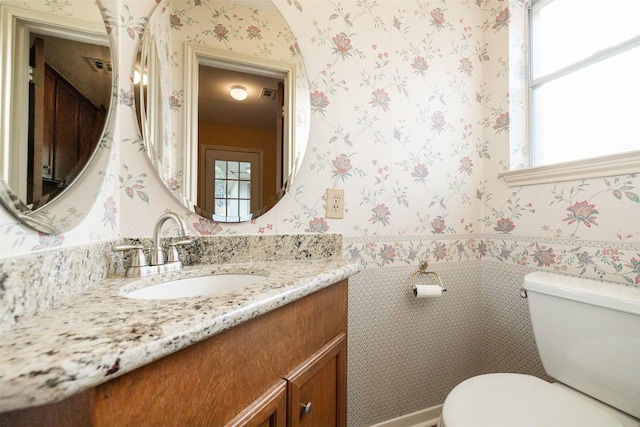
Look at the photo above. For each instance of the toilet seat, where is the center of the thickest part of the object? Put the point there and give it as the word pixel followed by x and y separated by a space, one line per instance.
pixel 520 400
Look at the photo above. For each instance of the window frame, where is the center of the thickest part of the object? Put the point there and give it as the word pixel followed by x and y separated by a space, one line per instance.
pixel 623 163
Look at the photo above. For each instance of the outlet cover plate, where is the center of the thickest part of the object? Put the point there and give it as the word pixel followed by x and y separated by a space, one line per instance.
pixel 335 203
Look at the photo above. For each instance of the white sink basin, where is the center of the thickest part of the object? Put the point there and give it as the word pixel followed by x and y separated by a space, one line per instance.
pixel 196 286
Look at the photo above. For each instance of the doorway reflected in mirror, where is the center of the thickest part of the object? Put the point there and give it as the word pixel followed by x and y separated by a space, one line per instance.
pixel 232 130
pixel 182 109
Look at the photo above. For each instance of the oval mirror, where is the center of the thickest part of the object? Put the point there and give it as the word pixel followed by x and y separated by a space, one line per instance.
pixel 226 158
pixel 57 83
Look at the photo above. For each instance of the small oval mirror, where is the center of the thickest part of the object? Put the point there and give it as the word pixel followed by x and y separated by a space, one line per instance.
pixel 59 82
pixel 226 159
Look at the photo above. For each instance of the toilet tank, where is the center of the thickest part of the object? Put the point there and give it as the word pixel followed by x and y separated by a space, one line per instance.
pixel 588 335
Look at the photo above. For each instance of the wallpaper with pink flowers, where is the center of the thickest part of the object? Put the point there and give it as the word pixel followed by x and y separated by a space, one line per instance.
pixel 410 114
pixel 416 106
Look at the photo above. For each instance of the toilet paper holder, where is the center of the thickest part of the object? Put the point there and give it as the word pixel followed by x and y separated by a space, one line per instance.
pixel 422 269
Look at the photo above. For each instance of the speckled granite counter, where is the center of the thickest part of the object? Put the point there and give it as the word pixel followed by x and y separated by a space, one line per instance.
pixel 98 334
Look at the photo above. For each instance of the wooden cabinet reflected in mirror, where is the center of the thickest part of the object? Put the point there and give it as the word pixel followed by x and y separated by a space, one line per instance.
pixel 66 112
pixel 57 85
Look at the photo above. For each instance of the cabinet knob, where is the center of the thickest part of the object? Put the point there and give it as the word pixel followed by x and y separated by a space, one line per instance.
pixel 305 409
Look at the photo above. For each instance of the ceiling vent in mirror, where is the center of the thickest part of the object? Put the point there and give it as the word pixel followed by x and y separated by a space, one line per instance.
pixel 100 64
pixel 268 93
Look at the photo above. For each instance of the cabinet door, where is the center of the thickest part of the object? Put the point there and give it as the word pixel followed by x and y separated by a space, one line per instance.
pixel 317 389
pixel 269 410
pixel 65 148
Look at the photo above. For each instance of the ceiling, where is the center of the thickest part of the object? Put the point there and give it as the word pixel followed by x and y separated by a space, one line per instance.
pixel 215 105
pixel 75 61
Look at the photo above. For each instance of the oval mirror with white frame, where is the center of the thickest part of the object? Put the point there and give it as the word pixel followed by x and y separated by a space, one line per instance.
pixel 57 86
pixel 227 159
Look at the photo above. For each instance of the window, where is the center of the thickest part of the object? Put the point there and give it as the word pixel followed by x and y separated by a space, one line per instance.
pixel 584 88
pixel 232 190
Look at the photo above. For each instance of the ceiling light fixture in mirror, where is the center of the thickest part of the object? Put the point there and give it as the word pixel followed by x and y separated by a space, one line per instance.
pixel 193 53
pixel 57 84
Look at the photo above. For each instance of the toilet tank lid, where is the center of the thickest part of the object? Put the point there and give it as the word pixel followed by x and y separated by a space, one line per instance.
pixel 604 294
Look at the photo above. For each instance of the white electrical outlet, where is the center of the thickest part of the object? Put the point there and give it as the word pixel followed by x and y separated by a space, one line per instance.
pixel 335 203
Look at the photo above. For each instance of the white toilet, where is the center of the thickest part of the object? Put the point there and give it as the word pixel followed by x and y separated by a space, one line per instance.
pixel 588 337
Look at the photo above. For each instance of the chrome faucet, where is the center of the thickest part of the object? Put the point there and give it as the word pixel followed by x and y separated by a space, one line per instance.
pixel 139 266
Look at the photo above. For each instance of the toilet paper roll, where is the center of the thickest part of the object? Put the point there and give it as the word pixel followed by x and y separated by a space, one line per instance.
pixel 427 291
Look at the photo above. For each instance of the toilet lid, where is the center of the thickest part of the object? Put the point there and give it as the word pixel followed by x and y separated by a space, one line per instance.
pixel 519 400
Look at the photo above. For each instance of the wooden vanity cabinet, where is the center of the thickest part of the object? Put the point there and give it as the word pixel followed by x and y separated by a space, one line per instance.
pixel 263 372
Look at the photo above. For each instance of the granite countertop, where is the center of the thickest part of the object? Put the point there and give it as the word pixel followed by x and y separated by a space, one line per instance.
pixel 98 334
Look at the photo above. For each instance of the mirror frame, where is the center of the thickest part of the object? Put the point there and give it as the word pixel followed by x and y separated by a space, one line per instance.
pixel 16 24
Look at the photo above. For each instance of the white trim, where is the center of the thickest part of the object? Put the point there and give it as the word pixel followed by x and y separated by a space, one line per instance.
pixel 6 90
pixel 153 107
pixel 190 147
pixel 613 165
pixel 423 418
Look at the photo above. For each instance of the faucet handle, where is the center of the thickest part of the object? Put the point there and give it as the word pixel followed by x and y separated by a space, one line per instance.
pixel 137 259
pixel 181 242
pixel 173 256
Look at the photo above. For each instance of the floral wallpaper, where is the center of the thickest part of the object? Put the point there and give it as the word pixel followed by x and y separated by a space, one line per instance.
pixel 411 115
pixel 415 108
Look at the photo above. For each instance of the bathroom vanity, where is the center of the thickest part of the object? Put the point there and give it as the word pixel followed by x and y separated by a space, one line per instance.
pixel 273 354
pixel 288 363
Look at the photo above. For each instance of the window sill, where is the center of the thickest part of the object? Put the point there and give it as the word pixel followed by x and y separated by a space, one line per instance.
pixel 617 164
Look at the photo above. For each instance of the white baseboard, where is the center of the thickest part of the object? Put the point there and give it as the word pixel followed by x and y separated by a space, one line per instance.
pixel 422 418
